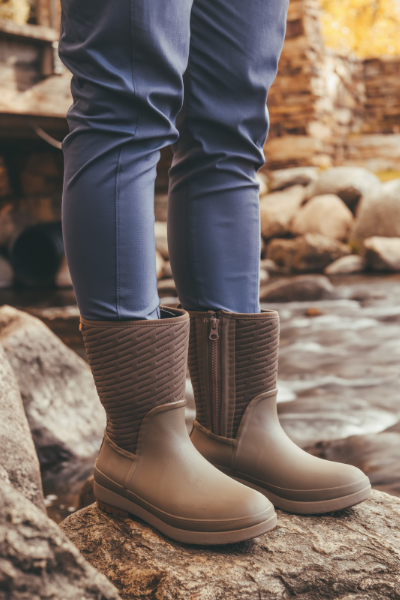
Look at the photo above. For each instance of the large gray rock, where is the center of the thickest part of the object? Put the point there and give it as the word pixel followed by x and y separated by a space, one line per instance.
pixel 283 178
pixel 346 265
pixel 298 289
pixel 18 459
pixel 353 554
pixel 378 213
pixel 57 388
pixel 278 209
pixel 306 253
pixel 37 561
pixel 349 183
pixel 382 254
pixel 327 215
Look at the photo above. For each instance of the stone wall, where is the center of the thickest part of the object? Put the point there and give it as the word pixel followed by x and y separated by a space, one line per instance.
pixel 321 103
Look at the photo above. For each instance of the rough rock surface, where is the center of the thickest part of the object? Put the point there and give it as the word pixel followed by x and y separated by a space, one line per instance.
pixel 278 209
pixel 298 289
pixel 353 554
pixel 346 265
pixel 18 459
pixel 378 213
pixel 57 389
pixel 283 178
pixel 311 252
pixel 37 561
pixel 349 183
pixel 382 254
pixel 327 215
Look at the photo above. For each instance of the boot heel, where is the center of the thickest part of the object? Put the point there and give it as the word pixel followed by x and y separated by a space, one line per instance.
pixel 112 510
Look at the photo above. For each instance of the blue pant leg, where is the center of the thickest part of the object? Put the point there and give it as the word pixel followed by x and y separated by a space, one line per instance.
pixel 127 58
pixel 213 221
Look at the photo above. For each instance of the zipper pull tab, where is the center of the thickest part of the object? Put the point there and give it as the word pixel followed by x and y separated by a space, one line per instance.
pixel 214 328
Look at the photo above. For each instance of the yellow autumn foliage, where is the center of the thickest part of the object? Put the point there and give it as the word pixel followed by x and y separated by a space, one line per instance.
pixel 363 27
pixel 17 10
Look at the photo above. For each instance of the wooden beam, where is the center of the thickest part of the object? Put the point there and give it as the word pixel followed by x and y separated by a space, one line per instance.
pixel 36 33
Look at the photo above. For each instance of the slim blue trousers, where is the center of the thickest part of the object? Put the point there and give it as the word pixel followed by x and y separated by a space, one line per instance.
pixel 147 74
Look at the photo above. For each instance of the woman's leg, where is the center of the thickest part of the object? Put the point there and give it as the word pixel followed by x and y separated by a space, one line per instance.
pixel 214 230
pixel 127 59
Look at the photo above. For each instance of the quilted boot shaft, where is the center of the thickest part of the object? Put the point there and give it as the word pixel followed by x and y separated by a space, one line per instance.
pixel 233 357
pixel 136 366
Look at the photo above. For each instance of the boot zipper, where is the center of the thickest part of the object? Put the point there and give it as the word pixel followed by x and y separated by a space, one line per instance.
pixel 214 336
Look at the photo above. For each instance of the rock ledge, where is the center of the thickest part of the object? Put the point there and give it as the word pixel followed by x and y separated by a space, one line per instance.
pixel 353 554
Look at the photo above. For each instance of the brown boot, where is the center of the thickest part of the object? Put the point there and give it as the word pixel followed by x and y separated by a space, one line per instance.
pixel 233 360
pixel 147 465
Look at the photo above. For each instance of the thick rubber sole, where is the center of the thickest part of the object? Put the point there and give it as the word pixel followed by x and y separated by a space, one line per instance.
pixel 117 505
pixel 317 507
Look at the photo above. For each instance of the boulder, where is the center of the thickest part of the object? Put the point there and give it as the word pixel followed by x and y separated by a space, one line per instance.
pixel 352 554
pixel 18 458
pixel 263 183
pixel 306 253
pixel 327 215
pixel 161 207
pixel 278 209
pixel 63 276
pixel 269 265
pixel 283 178
pixel 302 288
pixel 349 183
pixel 166 288
pixel 392 185
pixel 38 561
pixel 378 213
pixel 6 273
pixel 160 232
pixel 57 388
pixel 167 271
pixel 382 253
pixel 347 265
pixel 159 265
pixel 264 276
